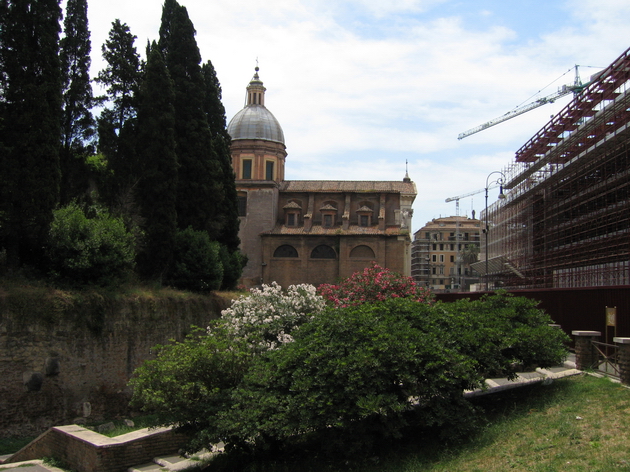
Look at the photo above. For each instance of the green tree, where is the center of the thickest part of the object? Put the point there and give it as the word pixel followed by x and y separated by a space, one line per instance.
pixel 168 11
pixel 200 189
pixel 123 72
pixel 117 125
pixel 215 115
pixel 30 112
pixel 77 122
pixel 156 192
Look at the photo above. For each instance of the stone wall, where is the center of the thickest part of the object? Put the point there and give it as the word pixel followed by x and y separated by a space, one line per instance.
pixel 67 358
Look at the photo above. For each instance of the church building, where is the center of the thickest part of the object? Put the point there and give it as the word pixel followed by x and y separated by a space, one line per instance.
pixel 310 231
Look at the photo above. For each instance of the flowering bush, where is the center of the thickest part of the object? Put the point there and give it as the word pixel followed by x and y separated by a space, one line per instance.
pixel 266 317
pixel 373 284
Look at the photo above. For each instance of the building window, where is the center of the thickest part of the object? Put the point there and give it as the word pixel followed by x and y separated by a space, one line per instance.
pixel 323 252
pixel 365 215
pixel 242 204
pixel 434 258
pixel 441 257
pixel 452 258
pixel 269 170
pixel 247 168
pixel 435 247
pixel 285 250
pixel 329 214
pixel 292 212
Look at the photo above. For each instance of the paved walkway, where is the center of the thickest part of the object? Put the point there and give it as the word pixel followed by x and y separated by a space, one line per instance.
pixel 29 466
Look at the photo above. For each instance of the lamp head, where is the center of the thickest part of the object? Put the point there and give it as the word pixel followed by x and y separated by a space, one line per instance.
pixel 501 194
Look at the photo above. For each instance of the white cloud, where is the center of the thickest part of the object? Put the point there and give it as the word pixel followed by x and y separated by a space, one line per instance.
pixel 390 80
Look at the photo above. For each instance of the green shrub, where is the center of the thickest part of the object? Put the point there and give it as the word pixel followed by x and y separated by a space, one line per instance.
pixel 353 375
pixel 196 265
pixel 97 250
pixel 190 383
pixel 359 370
pixel 500 332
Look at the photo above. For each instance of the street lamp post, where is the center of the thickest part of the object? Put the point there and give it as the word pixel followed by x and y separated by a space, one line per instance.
pixel 500 180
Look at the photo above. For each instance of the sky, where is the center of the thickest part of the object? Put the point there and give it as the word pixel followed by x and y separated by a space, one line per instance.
pixel 368 89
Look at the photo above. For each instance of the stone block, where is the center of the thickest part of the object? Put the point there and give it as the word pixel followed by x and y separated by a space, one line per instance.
pixel 33 381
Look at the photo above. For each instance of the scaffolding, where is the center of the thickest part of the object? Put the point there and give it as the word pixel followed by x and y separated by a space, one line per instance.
pixel 566 219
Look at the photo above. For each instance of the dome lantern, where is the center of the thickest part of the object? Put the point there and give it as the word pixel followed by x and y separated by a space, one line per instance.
pixel 255 121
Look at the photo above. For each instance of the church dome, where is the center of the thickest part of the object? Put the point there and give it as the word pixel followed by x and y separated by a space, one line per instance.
pixel 255 121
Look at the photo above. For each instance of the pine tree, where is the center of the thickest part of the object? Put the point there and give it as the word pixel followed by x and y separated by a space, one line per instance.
pixel 157 189
pixel 200 190
pixel 77 124
pixel 30 112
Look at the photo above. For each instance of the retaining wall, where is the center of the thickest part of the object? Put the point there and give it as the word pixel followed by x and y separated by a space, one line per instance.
pixel 73 364
pixel 86 451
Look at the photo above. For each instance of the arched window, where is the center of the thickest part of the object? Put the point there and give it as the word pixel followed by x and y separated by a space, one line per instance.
pixel 362 252
pixel 286 250
pixel 323 252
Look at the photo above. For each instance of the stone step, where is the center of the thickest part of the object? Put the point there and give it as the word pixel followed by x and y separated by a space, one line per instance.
pixel 177 463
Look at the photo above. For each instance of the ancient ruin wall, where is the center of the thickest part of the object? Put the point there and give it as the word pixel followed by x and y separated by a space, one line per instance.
pixel 67 358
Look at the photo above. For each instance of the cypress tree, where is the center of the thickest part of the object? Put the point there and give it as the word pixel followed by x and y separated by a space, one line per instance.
pixel 157 189
pixel 168 10
pixel 31 111
pixel 215 114
pixel 123 72
pixel 77 123
pixel 116 125
pixel 200 190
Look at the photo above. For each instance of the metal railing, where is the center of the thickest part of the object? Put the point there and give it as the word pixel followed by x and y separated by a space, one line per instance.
pixel 608 358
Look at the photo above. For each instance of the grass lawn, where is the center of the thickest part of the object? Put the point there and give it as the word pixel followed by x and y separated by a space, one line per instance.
pixel 576 424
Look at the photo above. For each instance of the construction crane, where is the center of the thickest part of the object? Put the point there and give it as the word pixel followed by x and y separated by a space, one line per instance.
pixel 469 194
pixel 575 88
